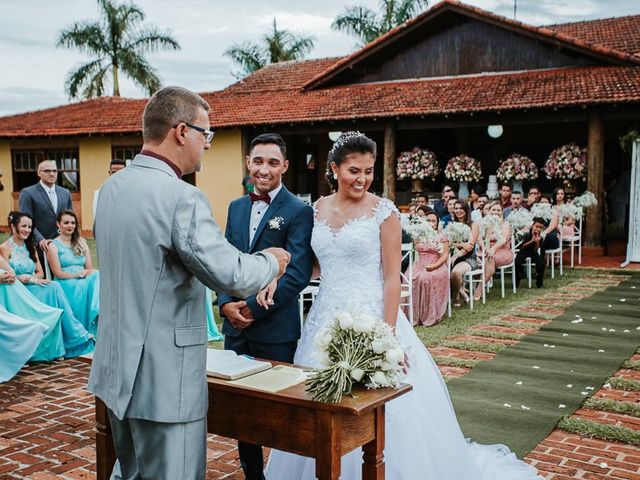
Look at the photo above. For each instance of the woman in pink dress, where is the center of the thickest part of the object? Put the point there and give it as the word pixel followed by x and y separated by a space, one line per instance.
pixel 431 278
pixel 499 252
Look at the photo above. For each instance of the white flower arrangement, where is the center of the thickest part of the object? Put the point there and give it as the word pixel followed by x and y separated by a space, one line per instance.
pixel 520 219
pixel 457 232
pixel 517 167
pixel 355 348
pixel 489 224
pixel 569 210
pixel 542 210
pixel 463 168
pixel 276 223
pixel 420 230
pixel 417 163
pixel 586 200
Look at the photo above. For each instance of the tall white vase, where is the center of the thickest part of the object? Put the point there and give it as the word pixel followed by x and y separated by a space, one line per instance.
pixel 463 191
pixel 516 186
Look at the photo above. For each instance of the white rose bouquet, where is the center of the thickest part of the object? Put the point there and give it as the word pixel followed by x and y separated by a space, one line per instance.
pixel 355 349
pixel 420 230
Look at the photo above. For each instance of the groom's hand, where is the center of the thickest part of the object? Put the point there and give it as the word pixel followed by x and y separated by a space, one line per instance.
pixel 232 311
pixel 282 256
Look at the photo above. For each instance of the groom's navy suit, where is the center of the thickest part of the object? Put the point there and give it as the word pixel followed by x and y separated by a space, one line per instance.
pixel 273 335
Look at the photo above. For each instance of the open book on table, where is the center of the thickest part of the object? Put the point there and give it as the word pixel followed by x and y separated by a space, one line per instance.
pixel 228 365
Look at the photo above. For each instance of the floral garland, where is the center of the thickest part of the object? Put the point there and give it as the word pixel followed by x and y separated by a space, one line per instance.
pixel 568 162
pixel 463 168
pixel 417 163
pixel 517 167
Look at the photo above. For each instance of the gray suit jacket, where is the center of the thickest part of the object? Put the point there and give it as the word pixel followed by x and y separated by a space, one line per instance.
pixel 34 201
pixel 157 245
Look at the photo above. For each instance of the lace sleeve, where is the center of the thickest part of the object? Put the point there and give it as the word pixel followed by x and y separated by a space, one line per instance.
pixel 383 209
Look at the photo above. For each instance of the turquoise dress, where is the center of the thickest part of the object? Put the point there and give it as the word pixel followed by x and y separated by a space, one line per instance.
pixel 83 293
pixel 16 299
pixel 19 339
pixel 212 328
pixel 77 340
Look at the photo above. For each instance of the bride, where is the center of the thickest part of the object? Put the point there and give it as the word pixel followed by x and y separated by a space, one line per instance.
pixel 356 238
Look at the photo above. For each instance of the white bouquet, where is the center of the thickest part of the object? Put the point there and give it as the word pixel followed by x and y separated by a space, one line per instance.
pixel 458 232
pixel 586 200
pixel 542 210
pixel 520 219
pixel 569 210
pixel 420 230
pixel 489 224
pixel 355 348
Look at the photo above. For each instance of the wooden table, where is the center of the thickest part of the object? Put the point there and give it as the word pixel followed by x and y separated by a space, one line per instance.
pixel 287 420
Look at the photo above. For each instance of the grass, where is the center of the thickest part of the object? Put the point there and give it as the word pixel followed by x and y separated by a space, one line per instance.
pixel 448 361
pixel 624 384
pixel 473 346
pixel 614 406
pixel 497 335
pixel 589 428
pixel 463 318
pixel 631 364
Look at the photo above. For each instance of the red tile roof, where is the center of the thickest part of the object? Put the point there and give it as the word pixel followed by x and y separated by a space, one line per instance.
pixel 621 33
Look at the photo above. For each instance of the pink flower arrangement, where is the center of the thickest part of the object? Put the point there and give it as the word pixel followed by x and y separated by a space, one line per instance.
pixel 417 163
pixel 569 162
pixel 463 168
pixel 517 167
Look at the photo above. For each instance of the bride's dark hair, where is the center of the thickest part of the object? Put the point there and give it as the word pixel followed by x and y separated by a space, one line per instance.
pixel 346 144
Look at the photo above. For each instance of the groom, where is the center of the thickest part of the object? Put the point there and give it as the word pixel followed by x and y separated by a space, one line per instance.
pixel 270 216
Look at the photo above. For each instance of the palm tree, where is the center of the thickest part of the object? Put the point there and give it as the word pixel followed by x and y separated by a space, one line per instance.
pixel 116 42
pixel 277 46
pixel 368 25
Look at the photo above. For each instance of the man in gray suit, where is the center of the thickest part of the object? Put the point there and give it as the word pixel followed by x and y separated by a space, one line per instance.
pixel 158 244
pixel 43 202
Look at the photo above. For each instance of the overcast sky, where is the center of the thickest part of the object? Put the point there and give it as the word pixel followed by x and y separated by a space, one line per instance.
pixel 34 70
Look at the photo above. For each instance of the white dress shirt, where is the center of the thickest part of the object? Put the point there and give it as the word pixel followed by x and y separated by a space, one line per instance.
pixel 53 196
pixel 257 212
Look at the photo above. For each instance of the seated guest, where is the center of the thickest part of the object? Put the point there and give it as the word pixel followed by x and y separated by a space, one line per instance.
pixel 19 339
pixel 475 192
pixel 465 259
pixel 440 206
pixel 412 210
pixel 499 252
pixel 533 197
pixel 477 211
pixel 20 251
pixel 559 196
pixel 431 278
pixel 505 195
pixel 516 203
pixel 550 239
pixel 422 200
pixel 17 300
pixel 448 211
pixel 530 249
pixel 71 265
pixel 482 213
pixel 422 211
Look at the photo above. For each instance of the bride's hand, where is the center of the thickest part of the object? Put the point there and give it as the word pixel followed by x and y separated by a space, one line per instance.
pixel 265 296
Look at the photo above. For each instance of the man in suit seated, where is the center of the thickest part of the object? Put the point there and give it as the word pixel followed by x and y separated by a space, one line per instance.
pixel 530 248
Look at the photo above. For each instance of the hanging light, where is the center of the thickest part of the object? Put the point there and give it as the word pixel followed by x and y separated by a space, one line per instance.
pixel 495 131
pixel 333 136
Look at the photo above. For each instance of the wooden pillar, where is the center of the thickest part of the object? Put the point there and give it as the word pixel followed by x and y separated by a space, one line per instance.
pixel 595 178
pixel 389 166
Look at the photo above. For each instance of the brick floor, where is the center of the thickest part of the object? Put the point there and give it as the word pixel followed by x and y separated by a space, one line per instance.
pixel 47 427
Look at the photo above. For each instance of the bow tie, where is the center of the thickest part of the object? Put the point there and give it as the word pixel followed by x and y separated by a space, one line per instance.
pixel 255 198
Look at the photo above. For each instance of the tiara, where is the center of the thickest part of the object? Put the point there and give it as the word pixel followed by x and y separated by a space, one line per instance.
pixel 343 138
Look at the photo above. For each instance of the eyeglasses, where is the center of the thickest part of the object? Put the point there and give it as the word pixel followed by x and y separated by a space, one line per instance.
pixel 49 171
pixel 208 134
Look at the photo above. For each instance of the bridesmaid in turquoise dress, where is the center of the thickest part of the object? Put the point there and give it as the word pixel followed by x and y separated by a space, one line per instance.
pixel 16 299
pixel 70 262
pixel 19 339
pixel 212 328
pixel 26 265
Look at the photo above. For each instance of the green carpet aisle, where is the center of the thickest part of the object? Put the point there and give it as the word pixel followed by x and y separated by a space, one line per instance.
pixel 519 396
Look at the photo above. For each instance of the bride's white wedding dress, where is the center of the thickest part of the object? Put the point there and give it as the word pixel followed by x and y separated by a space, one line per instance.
pixel 423 438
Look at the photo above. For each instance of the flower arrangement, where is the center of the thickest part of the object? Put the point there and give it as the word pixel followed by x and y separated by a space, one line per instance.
pixel 420 230
pixel 517 167
pixel 586 200
pixel 417 163
pixel 569 210
pixel 542 210
pixel 569 162
pixel 355 348
pixel 457 232
pixel 463 168
pixel 489 224
pixel 520 219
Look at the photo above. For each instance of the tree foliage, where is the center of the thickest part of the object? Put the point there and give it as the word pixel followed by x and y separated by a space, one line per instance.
pixel 116 42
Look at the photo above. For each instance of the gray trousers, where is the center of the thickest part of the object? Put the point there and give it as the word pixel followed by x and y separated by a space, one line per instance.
pixel 158 451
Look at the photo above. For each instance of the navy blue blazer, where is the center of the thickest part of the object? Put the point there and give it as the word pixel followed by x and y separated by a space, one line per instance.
pixel 294 219
pixel 34 201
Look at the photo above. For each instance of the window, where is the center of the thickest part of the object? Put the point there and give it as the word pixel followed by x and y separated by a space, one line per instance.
pixel 125 153
pixel 25 167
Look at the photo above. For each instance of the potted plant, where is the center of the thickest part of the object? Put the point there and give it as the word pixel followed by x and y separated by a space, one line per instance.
pixel 517 168
pixel 615 240
pixel 463 169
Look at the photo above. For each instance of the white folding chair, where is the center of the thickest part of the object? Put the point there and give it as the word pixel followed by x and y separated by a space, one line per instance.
pixel 477 276
pixel 47 270
pixel 305 197
pixel 406 280
pixel 449 282
pixel 503 269
pixel 550 256
pixel 574 241
pixel 309 294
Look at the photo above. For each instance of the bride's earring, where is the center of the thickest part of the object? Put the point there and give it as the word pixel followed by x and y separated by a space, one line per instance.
pixel 335 176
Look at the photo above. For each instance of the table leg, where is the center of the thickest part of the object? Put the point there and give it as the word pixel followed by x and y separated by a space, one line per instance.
pixel 327 446
pixel 105 451
pixel 373 451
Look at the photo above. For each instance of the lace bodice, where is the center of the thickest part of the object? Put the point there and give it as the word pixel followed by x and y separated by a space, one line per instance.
pixel 20 260
pixel 69 261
